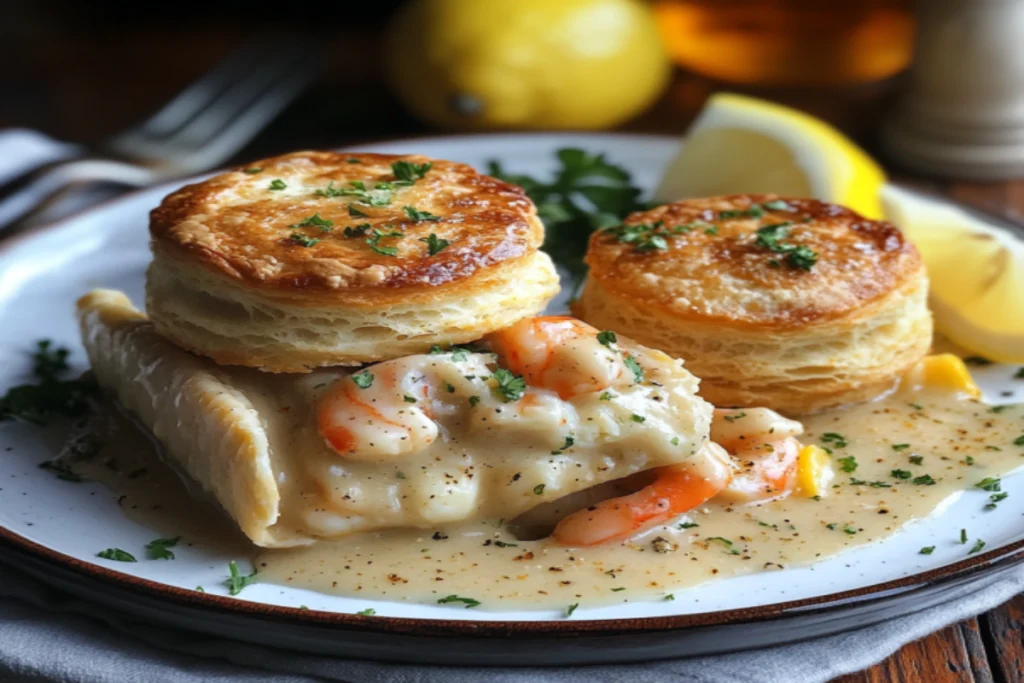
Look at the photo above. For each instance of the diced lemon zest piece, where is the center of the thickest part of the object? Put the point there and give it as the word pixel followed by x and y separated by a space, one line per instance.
pixel 813 472
pixel 944 371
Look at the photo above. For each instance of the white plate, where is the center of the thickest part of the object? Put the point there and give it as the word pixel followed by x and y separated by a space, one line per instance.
pixel 65 524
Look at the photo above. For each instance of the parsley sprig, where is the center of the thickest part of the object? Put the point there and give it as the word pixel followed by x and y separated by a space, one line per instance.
pixel 587 193
pixel 50 396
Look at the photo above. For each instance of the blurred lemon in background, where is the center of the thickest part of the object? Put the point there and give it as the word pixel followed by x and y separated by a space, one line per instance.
pixel 976 271
pixel 525 64
pixel 746 145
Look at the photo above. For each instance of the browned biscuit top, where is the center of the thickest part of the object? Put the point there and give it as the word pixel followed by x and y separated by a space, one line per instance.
pixel 343 224
pixel 753 260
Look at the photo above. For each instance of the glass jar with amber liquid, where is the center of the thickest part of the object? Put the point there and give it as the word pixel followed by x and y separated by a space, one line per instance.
pixel 789 42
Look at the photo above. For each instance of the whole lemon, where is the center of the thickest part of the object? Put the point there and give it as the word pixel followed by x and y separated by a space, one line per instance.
pixel 525 63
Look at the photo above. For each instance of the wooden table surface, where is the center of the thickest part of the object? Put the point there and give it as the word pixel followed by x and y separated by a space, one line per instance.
pixel 83 87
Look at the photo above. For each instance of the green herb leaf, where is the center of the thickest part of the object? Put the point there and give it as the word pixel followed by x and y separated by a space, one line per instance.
pixel 686 525
pixel 363 379
pixel 569 441
pixel 539 489
pixel 916 459
pixel 637 418
pixel 509 386
pixel 737 416
pixel 900 446
pixel 276 185
pixel 638 372
pixel 434 243
pixel 252 171
pixel 778 205
pixel 473 400
pixel 468 602
pixel 963 536
pixel 927 550
pixel 837 440
pixel 410 172
pixel 417 215
pixel 356 213
pixel 607 338
pixel 923 480
pixel 236 581
pixel 368 612
pixel 303 240
pixel 117 555
pixel 978 545
pixel 160 548
pixel 408 399
pixel 848 464
pixel 315 221
pixel 570 609
pixel 902 474
pixel 989 484
pixel 994 500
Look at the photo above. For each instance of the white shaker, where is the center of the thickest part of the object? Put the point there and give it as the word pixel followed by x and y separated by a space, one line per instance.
pixel 963 114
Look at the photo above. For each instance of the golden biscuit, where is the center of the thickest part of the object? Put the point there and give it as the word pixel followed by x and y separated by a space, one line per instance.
pixel 321 258
pixel 793 304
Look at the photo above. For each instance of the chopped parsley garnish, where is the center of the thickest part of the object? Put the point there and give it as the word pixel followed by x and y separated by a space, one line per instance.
pixel 468 602
pixel 620 588
pixel 587 193
pixel 755 211
pixel 35 403
pixel 363 379
pixel 570 609
pixel 637 418
pixel 377 236
pixel 434 244
pixel 850 530
pixel 569 441
pixel 918 459
pixel 509 386
pixel 253 170
pixel 368 612
pixel 356 213
pixel 303 240
pixel 927 550
pixel 923 480
pixel 353 160
pixel 900 446
pixel 410 172
pixel 837 440
pixel 670 596
pixel 160 548
pixel 778 205
pixel 686 525
pixel 963 536
pixel 872 484
pixel 674 441
pixel 638 372
pixel 417 215
pixel 117 555
pixel 473 400
pixel 797 256
pixel 1019 374
pixel 539 489
pixel 607 338
pixel 711 230
pixel 848 464
pixel 606 396
pixel 277 184
pixel 408 399
pixel 737 416
pixel 998 409
pixel 994 500
pixel 1019 441
pixel 236 581
pixel 989 484
pixel 916 406
pixel 902 474
pixel 978 545
pixel 449 387
pixel 357 230
pixel 380 195
pixel 724 541
pixel 314 221
pixel 503 544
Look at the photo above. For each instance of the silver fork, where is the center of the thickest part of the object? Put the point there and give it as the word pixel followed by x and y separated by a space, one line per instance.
pixel 200 128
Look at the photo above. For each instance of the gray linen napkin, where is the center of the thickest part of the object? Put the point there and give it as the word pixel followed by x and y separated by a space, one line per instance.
pixel 49 636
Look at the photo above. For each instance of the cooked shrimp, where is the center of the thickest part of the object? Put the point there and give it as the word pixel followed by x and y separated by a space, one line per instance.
pixel 375 422
pixel 675 489
pixel 764 448
pixel 558 353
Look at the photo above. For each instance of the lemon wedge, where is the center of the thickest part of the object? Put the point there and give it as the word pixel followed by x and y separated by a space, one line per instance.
pixel 744 145
pixel 976 271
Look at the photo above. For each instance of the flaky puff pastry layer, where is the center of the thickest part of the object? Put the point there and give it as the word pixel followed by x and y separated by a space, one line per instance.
pixel 756 329
pixel 319 258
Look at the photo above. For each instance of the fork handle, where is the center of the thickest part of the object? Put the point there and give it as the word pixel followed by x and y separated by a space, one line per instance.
pixel 27 195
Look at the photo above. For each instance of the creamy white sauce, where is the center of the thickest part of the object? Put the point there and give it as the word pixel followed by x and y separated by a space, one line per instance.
pixel 956 442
